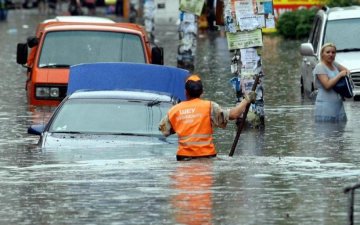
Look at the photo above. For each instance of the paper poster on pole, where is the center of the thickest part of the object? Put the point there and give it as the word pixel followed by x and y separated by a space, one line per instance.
pixel 192 6
pixel 264 7
pixel 244 7
pixel 244 39
pixel 268 8
pixel 251 22
pixel 250 62
pixel 229 20
pixel 248 16
pixel 270 21
pixel 260 7
pixel 246 85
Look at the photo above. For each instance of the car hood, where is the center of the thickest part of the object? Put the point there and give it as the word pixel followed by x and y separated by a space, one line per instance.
pixel 53 75
pixel 124 146
pixel 350 60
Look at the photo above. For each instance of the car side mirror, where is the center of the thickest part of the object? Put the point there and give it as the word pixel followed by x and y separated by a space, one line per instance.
pixel 157 55
pixel 32 41
pixel 307 49
pixel 36 129
pixel 22 53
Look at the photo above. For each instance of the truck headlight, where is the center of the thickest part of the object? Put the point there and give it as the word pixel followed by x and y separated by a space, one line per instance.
pixel 54 92
pixel 47 92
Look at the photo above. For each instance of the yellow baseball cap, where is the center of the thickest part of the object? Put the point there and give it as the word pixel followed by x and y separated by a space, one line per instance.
pixel 193 77
pixel 193 82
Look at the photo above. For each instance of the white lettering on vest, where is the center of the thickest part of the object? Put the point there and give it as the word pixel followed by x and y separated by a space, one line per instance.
pixel 187 111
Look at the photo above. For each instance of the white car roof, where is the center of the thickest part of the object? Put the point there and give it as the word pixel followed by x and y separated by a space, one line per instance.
pixel 338 13
pixel 81 19
pixel 122 94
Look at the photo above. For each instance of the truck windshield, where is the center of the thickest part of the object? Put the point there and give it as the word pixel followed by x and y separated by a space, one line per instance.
pixel 344 34
pixel 75 47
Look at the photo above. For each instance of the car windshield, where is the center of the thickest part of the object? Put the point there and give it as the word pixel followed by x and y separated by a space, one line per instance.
pixel 67 48
pixel 344 34
pixel 109 116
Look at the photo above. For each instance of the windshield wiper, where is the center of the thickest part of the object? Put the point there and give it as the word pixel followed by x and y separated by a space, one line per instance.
pixel 128 134
pixel 152 103
pixel 55 66
pixel 66 132
pixel 348 50
pixel 100 133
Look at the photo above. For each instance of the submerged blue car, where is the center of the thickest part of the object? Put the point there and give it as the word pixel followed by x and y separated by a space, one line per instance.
pixel 122 113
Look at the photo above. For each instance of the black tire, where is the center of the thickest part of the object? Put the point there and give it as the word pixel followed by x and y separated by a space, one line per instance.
pixel 302 87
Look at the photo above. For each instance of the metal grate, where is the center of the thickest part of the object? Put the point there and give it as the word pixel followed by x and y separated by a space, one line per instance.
pixel 355 78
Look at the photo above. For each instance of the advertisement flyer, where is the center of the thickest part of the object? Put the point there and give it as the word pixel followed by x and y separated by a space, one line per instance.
pixel 244 39
pixel 250 62
pixel 192 6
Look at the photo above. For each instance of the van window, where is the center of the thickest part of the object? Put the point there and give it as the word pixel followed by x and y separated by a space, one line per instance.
pixel 66 48
pixel 313 28
pixel 343 33
pixel 316 35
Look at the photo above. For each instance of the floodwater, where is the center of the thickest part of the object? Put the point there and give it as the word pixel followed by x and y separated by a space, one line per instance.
pixel 292 172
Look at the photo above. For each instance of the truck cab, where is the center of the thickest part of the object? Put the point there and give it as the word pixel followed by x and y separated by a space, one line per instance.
pixel 65 41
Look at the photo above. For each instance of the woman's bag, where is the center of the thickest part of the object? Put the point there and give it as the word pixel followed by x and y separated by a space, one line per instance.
pixel 344 87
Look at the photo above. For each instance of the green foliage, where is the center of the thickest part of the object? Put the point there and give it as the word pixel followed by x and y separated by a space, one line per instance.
pixel 296 24
pixel 341 3
pixel 286 25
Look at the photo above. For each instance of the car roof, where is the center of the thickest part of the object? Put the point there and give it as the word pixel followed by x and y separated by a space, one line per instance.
pixel 338 13
pixel 80 19
pixel 87 23
pixel 138 95
pixel 125 76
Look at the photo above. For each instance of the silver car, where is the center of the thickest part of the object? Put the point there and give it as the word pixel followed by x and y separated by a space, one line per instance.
pixel 114 105
pixel 109 118
pixel 338 25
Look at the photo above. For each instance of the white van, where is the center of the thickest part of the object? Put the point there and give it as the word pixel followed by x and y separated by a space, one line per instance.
pixel 338 25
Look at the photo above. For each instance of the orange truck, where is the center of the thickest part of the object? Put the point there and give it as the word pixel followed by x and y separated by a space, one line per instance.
pixel 70 40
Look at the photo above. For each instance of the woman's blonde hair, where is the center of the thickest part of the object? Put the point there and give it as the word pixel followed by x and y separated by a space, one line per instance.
pixel 327 45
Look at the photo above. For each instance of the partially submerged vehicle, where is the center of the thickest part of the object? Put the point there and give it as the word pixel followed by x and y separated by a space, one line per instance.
pixel 123 109
pixel 338 25
pixel 69 40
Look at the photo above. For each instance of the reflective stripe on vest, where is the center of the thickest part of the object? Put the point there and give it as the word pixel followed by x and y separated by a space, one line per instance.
pixel 196 139
pixel 191 120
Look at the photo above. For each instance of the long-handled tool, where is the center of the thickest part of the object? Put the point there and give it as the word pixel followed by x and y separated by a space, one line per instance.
pixel 240 122
pixel 351 191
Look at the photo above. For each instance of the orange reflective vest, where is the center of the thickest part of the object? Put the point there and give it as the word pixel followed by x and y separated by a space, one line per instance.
pixel 191 121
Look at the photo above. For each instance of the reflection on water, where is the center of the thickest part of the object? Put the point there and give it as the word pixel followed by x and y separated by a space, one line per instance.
pixel 192 182
pixel 292 172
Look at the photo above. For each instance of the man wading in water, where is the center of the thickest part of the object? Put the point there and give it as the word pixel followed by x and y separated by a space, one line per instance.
pixel 194 119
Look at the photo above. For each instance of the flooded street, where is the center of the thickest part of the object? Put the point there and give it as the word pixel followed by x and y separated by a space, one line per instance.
pixel 292 172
